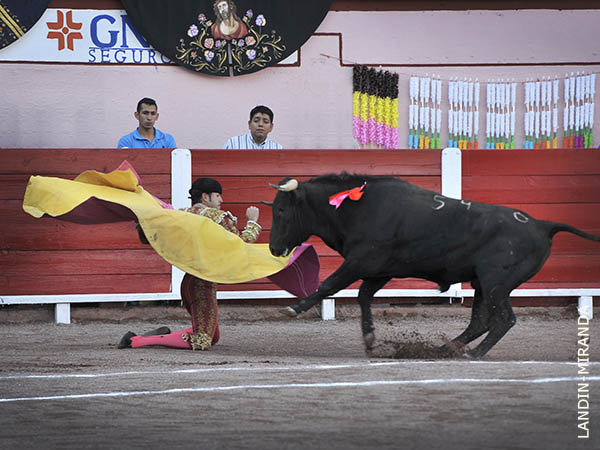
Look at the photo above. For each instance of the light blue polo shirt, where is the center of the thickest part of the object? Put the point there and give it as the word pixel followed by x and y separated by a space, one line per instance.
pixel 134 140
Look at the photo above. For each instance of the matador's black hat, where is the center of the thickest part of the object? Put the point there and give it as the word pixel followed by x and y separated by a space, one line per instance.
pixel 202 185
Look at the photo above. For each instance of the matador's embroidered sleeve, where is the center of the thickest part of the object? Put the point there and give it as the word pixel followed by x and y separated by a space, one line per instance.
pixel 251 232
pixel 248 234
pixel 229 222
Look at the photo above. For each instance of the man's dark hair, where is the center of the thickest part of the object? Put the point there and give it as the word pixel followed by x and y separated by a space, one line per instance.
pixel 204 185
pixel 262 109
pixel 146 101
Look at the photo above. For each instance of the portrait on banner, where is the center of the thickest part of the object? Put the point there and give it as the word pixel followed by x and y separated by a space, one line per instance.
pixel 226 37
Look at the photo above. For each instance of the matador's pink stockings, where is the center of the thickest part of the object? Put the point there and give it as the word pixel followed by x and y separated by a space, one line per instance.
pixel 174 340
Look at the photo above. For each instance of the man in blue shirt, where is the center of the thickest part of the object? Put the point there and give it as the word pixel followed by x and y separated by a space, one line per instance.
pixel 260 125
pixel 145 135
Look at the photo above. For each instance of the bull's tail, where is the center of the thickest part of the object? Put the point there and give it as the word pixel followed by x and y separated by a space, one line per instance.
pixel 555 227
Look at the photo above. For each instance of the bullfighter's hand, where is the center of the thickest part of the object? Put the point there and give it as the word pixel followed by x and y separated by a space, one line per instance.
pixel 252 213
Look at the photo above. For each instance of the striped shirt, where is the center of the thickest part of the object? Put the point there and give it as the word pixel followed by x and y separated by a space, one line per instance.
pixel 245 142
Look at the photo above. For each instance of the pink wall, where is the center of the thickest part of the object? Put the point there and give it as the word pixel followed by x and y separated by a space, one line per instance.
pixel 51 105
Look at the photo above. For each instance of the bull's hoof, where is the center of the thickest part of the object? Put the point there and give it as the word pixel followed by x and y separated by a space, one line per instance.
pixel 369 339
pixel 288 311
pixel 450 350
pixel 468 354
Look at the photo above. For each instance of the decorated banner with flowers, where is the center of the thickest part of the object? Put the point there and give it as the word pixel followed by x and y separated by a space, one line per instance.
pixel 375 107
pixel 17 17
pixel 226 37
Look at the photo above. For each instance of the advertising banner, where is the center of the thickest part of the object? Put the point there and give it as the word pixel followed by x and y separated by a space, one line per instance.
pixel 88 37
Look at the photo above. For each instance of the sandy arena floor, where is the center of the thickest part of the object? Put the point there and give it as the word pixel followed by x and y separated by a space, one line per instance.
pixel 274 383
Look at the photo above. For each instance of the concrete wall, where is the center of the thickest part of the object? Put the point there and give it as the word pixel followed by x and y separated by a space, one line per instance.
pixel 53 105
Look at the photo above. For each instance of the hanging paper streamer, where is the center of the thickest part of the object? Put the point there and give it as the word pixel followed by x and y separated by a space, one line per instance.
pixel 363 137
pixel 547 114
pixel 387 110
pixel 555 96
pixel 372 120
pixel 589 93
pixel 356 92
pixel 393 128
pixel 463 117
pixel 438 120
pixel 591 107
pixel 570 143
pixel 541 121
pixel 421 113
pixel 585 126
pixel 501 115
pixel 463 114
pixel 526 116
pixel 566 112
pixel 476 116
pixel 374 108
pixel 489 117
pixel 513 113
pixel 413 113
pixel 425 113
pixel 380 109
pixel 579 116
pixel 469 111
pixel 543 110
pixel 452 139
pixel 578 112
pixel 542 99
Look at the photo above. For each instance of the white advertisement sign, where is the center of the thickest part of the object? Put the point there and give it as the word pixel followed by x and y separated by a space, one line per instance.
pixel 86 36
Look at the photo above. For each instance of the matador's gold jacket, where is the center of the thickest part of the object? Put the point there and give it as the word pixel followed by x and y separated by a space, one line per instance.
pixel 227 221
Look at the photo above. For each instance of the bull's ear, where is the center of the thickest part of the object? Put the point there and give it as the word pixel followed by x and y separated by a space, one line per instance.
pixel 264 202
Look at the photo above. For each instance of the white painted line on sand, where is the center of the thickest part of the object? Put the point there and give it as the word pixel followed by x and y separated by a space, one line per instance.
pixel 275 369
pixel 305 386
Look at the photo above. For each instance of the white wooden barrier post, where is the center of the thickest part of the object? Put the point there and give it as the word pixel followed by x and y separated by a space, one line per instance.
pixel 181 182
pixel 328 309
pixel 62 313
pixel 452 186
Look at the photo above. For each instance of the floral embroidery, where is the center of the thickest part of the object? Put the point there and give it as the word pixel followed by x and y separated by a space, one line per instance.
pixel 261 21
pixel 202 51
pixel 193 31
pixel 200 341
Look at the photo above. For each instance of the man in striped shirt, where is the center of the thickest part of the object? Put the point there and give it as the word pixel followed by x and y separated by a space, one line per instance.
pixel 260 125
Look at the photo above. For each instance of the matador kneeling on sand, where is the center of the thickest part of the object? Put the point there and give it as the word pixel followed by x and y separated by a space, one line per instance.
pixel 199 296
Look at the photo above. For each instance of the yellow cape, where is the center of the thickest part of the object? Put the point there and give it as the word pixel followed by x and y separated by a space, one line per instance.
pixel 190 242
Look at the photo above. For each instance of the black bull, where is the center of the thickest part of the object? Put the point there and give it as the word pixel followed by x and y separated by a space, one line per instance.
pixel 399 230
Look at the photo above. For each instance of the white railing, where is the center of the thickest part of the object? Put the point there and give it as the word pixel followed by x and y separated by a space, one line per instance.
pixel 181 176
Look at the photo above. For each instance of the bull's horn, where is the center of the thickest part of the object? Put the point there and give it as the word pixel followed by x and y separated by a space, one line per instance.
pixel 264 202
pixel 289 186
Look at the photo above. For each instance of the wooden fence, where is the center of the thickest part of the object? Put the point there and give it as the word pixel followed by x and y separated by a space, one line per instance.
pixel 51 261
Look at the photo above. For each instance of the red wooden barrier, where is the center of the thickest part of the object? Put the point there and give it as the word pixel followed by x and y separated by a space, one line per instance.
pixel 557 185
pixel 47 256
